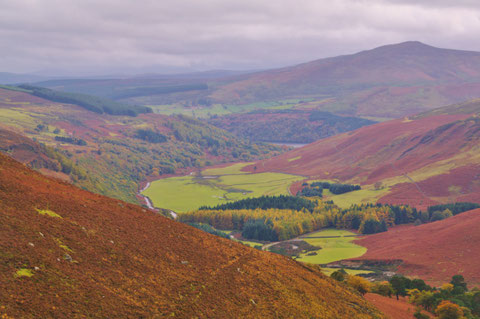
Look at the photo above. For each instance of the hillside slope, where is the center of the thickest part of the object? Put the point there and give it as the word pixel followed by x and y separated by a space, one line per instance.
pixel 34 155
pixel 292 126
pixel 67 253
pixel 115 153
pixel 388 81
pixel 420 161
pixel 434 251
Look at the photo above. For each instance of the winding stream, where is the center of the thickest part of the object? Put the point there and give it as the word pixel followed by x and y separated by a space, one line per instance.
pixel 149 202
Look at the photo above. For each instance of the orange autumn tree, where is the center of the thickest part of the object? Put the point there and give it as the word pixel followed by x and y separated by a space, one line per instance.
pixel 449 310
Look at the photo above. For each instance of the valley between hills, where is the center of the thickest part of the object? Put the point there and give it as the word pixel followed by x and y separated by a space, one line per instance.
pixel 167 196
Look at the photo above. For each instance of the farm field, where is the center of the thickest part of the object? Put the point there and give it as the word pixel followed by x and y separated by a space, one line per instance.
pixel 216 186
pixel 354 272
pixel 223 109
pixel 362 196
pixel 333 248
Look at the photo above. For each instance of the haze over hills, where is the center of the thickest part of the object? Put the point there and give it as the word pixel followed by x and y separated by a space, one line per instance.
pixel 420 160
pixel 67 252
pixel 11 78
pixel 389 81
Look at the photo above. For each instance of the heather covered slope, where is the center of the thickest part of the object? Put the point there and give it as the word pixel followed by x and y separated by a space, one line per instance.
pixel 292 126
pixel 389 81
pixel 69 253
pixel 422 160
pixel 434 251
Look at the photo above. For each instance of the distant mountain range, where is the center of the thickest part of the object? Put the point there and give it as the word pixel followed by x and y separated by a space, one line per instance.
pixel 383 83
pixel 389 81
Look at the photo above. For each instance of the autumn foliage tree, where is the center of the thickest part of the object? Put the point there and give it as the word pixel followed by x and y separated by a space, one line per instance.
pixel 448 310
pixel 360 284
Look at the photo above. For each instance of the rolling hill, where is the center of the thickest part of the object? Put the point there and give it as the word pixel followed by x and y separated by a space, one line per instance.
pixel 386 82
pixel 389 81
pixel 434 251
pixel 420 160
pixel 114 153
pixel 40 157
pixel 67 253
pixel 291 126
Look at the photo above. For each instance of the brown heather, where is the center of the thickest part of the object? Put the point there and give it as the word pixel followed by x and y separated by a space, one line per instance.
pixel 109 259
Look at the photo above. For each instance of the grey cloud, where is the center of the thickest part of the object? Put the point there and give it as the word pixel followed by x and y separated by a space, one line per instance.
pixel 117 35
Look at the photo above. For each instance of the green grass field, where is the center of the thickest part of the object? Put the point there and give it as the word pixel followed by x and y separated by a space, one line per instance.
pixel 328 271
pixel 333 248
pixel 249 243
pixel 219 109
pixel 361 196
pixel 216 186
pixel 234 169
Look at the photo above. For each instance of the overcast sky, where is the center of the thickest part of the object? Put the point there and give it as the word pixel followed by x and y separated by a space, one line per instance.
pixel 105 36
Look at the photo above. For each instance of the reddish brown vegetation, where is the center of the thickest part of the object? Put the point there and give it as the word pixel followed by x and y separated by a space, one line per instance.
pixel 366 153
pixel 434 251
pixel 393 308
pixel 105 258
pixel 396 149
pixel 28 152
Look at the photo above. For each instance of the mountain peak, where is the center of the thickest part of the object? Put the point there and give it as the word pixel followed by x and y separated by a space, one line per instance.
pixel 414 47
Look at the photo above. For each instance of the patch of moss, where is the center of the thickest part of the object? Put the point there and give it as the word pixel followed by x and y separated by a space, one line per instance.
pixel 62 245
pixel 48 212
pixel 23 272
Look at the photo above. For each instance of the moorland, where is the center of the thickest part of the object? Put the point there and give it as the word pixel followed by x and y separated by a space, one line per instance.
pixel 384 199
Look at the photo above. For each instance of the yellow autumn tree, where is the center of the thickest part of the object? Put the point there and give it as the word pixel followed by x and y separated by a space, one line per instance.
pixel 449 310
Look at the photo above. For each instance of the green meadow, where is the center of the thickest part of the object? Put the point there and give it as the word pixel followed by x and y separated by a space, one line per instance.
pixel 362 196
pixel 354 272
pixel 335 246
pixel 224 109
pixel 216 186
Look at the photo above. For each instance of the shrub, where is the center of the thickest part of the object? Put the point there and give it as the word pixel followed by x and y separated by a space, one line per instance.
pixel 448 310
pixel 360 284
pixel 339 275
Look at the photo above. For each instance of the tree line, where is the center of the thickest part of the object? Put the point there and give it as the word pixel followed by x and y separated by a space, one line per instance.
pixel 266 219
pixel 452 300
pixel 316 189
pixel 266 202
pixel 274 224
pixel 150 136
pixel 145 91
pixel 71 140
pixel 92 103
